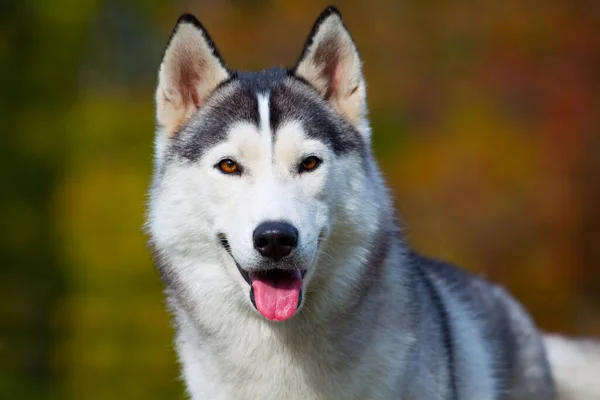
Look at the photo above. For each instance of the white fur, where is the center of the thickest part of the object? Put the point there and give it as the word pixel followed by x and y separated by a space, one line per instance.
pixel 185 219
pixel 575 366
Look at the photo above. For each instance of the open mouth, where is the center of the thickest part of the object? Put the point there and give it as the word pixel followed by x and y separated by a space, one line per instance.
pixel 275 293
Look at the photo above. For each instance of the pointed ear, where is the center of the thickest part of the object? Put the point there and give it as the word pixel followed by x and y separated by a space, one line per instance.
pixel 331 65
pixel 190 70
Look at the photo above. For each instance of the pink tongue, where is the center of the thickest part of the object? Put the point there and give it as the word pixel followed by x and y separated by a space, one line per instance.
pixel 276 296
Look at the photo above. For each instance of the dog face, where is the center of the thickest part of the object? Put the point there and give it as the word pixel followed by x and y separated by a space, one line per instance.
pixel 256 171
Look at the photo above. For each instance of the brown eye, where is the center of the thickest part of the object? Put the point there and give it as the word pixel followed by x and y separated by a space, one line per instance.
pixel 309 164
pixel 228 166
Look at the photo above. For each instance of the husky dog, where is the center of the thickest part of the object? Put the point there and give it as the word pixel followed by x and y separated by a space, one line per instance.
pixel 285 268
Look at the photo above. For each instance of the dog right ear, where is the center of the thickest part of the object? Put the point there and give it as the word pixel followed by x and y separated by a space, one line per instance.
pixel 190 71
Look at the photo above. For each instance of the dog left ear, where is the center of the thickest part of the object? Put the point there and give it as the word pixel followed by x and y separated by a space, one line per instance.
pixel 331 65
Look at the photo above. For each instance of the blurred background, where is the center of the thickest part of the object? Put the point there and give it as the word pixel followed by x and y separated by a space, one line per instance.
pixel 486 118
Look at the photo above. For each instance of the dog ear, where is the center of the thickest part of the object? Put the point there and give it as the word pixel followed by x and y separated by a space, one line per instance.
pixel 190 70
pixel 331 65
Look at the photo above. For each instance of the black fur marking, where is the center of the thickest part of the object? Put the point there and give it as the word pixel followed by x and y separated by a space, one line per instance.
pixel 191 19
pixel 328 12
pixel 252 299
pixel 445 328
pixel 262 81
pixel 211 124
pixel 319 120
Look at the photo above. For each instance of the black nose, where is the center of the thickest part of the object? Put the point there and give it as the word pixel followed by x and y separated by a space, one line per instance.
pixel 275 240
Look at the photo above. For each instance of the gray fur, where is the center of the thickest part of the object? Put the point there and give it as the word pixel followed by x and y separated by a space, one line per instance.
pixel 377 320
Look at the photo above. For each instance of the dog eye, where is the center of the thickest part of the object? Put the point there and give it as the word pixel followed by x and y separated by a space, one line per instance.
pixel 228 166
pixel 309 164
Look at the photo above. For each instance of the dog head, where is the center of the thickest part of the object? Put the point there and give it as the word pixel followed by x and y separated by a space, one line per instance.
pixel 261 177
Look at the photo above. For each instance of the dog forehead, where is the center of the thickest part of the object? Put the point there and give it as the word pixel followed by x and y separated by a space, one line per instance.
pixel 232 104
pixel 262 82
pixel 295 102
pixel 292 105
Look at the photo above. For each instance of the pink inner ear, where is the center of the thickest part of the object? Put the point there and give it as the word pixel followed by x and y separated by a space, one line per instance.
pixel 189 82
pixel 336 77
pixel 196 98
pixel 333 73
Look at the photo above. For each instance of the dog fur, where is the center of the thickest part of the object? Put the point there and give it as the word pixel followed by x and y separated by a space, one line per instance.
pixel 375 320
